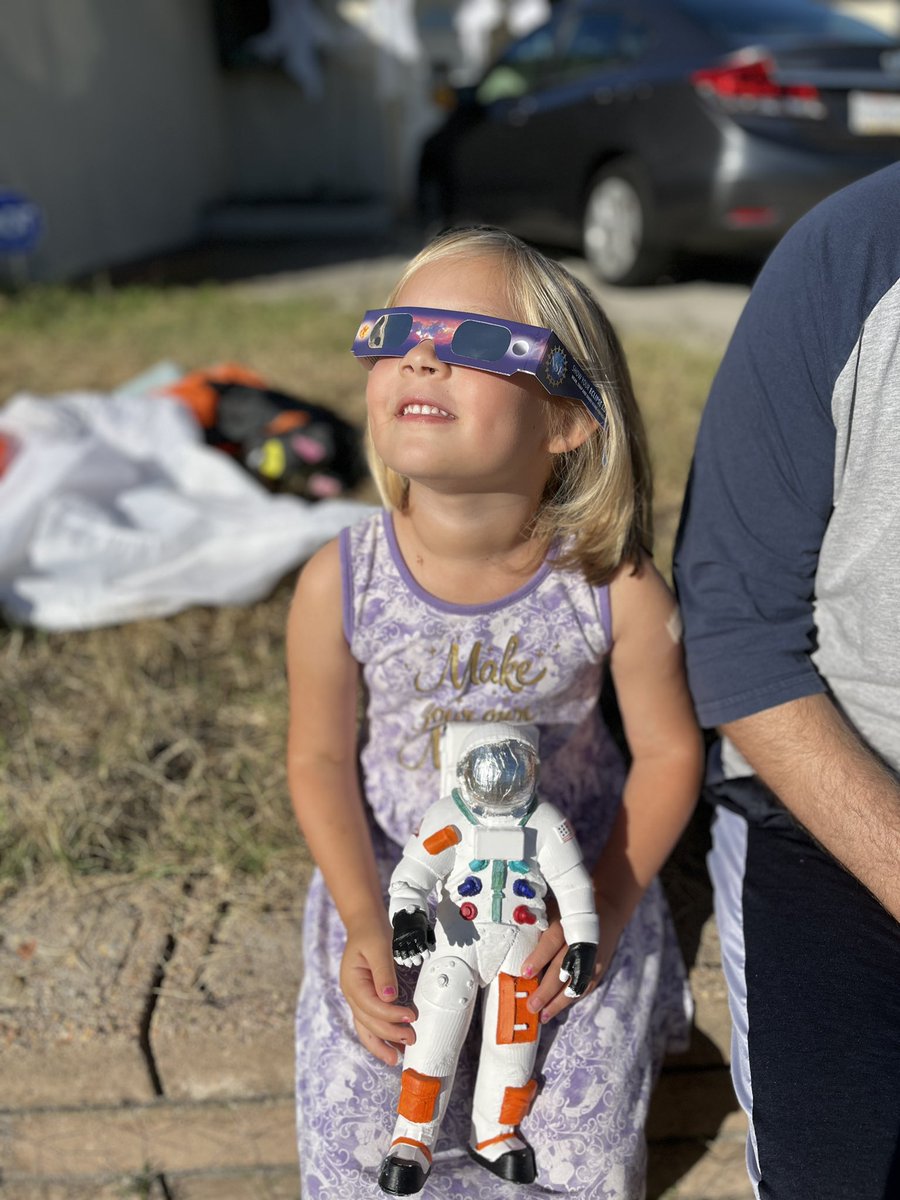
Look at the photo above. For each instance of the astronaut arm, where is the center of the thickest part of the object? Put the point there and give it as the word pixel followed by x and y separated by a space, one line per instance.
pixel 573 888
pixel 562 866
pixel 574 893
pixel 427 860
pixel 412 882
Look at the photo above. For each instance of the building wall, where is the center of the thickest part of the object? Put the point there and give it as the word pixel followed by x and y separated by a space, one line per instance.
pixel 333 142
pixel 118 120
pixel 111 119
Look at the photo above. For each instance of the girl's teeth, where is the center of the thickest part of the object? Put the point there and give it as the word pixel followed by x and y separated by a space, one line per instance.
pixel 425 410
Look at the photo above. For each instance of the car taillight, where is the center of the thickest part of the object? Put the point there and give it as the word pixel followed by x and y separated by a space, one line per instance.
pixel 748 86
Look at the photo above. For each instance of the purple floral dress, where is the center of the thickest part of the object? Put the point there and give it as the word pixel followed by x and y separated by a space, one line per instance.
pixel 536 656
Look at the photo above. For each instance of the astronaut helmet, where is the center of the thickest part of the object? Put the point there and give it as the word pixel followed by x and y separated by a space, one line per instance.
pixel 497 769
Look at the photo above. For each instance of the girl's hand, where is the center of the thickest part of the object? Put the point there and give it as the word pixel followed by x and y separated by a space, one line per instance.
pixel 369 982
pixel 550 997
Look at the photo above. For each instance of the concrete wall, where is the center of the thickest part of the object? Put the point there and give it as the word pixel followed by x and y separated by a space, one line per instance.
pixel 283 144
pixel 117 119
pixel 111 119
pixel 338 145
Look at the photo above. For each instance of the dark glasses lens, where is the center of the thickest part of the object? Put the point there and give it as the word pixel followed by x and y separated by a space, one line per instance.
pixel 475 339
pixel 390 331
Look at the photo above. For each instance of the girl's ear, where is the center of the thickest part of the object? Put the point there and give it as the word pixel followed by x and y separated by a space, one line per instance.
pixel 575 433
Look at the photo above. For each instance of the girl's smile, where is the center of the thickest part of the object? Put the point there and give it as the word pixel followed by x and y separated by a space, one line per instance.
pixel 423 409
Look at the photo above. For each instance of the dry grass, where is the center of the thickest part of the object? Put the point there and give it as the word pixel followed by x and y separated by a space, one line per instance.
pixel 157 747
pixel 54 339
pixel 671 382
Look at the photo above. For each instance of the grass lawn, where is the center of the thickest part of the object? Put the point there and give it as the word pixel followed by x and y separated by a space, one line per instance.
pixel 157 747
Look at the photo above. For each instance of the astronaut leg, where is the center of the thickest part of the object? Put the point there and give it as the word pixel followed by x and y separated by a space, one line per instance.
pixel 505 1087
pixel 444 999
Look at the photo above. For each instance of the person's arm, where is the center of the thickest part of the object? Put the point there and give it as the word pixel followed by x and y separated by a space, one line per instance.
pixel 323 777
pixel 810 757
pixel 663 781
pixel 756 513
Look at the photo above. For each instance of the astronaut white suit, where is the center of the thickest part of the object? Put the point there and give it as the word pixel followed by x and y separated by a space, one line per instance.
pixel 492 848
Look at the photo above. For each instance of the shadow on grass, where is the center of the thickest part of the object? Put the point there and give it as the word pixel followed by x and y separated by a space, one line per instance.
pixel 230 261
pixel 234 259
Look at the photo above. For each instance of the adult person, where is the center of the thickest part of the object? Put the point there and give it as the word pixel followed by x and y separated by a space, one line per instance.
pixel 788 572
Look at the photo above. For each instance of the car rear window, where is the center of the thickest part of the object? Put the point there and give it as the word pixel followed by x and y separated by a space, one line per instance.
pixel 741 21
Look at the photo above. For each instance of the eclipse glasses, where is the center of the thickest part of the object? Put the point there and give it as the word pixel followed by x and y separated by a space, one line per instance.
pixel 485 343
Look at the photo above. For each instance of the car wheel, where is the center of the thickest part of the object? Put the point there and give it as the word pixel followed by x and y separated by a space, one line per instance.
pixel 616 228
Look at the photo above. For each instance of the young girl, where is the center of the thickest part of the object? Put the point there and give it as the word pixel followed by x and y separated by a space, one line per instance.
pixel 510 563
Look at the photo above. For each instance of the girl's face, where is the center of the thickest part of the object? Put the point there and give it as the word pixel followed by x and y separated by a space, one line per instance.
pixel 456 428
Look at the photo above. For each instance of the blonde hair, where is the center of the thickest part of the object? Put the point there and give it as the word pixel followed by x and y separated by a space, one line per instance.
pixel 597 503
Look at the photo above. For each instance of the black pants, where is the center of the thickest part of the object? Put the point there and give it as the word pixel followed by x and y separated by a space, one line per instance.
pixel 813 966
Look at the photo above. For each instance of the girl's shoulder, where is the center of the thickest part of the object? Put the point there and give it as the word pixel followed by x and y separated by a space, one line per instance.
pixel 335 578
pixel 591 600
pixel 316 604
pixel 641 598
pixel 369 575
pixel 318 587
pixel 326 563
pixel 327 575
pixel 362 535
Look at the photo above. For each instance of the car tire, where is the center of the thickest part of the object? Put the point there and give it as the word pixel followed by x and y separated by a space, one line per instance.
pixel 617 219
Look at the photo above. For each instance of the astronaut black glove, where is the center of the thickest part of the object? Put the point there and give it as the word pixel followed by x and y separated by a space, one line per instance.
pixel 413 937
pixel 577 968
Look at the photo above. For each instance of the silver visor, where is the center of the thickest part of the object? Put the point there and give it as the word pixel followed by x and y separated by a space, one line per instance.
pixel 499 777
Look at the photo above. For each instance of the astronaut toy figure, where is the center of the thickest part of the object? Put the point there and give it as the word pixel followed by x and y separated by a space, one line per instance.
pixel 492 848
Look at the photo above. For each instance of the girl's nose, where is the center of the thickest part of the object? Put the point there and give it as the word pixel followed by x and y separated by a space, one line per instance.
pixel 422 359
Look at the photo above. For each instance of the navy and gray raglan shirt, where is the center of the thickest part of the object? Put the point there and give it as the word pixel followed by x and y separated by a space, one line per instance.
pixel 788 557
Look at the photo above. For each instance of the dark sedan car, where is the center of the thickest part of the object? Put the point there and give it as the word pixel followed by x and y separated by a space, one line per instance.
pixel 634 128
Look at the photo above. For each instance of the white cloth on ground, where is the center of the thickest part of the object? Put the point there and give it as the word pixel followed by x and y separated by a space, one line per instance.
pixel 113 508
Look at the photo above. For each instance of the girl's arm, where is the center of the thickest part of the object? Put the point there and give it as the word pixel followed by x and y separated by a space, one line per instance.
pixel 663 782
pixel 323 778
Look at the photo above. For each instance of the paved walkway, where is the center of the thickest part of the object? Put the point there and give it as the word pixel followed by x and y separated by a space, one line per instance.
pixel 145 1028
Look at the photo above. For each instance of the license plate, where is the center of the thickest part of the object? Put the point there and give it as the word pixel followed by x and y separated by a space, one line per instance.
pixel 873 113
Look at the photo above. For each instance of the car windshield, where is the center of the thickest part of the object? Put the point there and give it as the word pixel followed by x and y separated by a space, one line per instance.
pixel 741 21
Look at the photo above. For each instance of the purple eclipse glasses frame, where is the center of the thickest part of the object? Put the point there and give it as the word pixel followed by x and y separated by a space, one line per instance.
pixel 484 343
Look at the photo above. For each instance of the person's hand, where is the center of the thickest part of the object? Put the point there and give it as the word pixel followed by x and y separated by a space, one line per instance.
pixel 561 967
pixel 413 937
pixel 369 982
